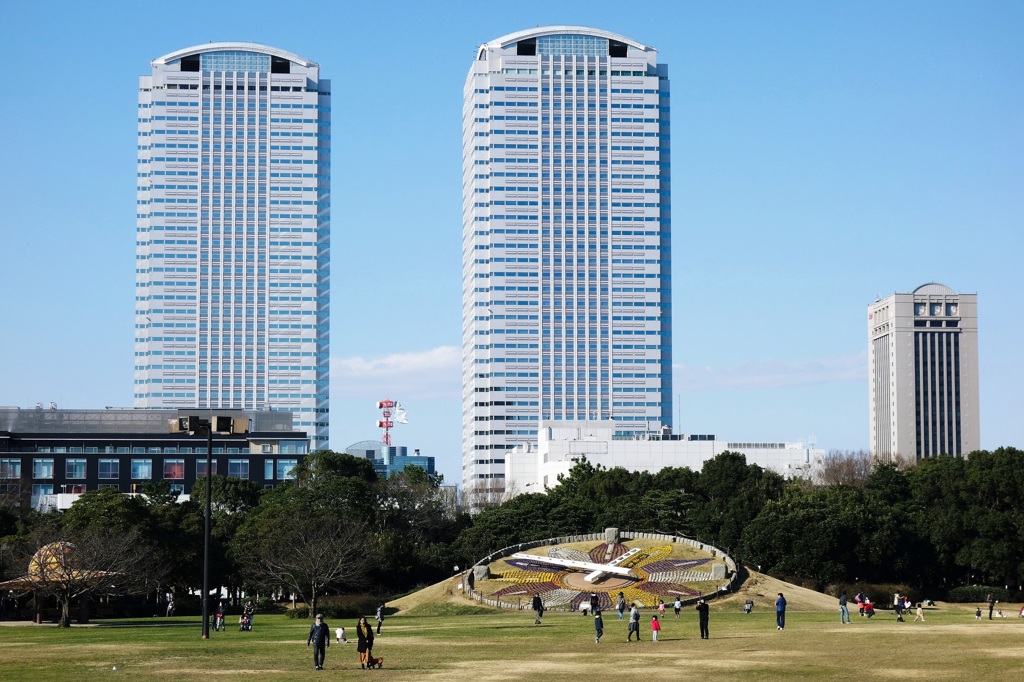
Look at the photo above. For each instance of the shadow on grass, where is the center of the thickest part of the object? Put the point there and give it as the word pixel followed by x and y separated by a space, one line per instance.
pixel 162 623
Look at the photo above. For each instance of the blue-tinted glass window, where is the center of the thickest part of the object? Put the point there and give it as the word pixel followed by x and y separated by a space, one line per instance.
pixel 286 469
pixel 42 468
pixel 142 469
pixel 238 468
pixel 234 60
pixel 110 468
pixel 74 468
pixel 563 45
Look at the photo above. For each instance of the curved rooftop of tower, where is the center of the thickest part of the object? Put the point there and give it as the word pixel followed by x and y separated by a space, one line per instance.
pixel 232 48
pixel 934 288
pixel 540 31
pixel 565 40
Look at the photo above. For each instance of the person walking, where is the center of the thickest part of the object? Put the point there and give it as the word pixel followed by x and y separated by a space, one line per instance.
pixel 634 624
pixel 249 610
pixel 598 627
pixel 320 638
pixel 661 608
pixel 218 618
pixel 538 608
pixel 703 611
pixel 780 612
pixel 919 616
pixel 677 606
pixel 620 605
pixel 170 606
pixel 844 612
pixel 655 628
pixel 380 616
pixel 364 643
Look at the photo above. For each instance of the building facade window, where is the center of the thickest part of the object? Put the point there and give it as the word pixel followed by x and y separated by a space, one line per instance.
pixel 42 489
pixel 286 469
pixel 110 468
pixel 42 468
pixel 142 469
pixel 10 468
pixel 174 469
pixel 201 468
pixel 238 468
pixel 74 468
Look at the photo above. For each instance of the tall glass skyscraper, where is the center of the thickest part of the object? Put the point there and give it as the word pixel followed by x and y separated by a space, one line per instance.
pixel 232 288
pixel 567 309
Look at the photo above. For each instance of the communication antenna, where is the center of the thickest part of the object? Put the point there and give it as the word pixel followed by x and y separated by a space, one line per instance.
pixel 389 409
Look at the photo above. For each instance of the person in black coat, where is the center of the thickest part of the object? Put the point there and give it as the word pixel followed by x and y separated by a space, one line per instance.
pixel 538 608
pixel 364 643
pixel 702 612
pixel 320 638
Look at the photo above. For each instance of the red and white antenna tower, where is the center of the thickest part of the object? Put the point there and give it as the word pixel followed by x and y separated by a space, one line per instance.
pixel 386 408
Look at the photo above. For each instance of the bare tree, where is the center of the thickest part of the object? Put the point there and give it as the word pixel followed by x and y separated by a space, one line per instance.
pixel 845 467
pixel 483 495
pixel 308 554
pixel 904 462
pixel 75 564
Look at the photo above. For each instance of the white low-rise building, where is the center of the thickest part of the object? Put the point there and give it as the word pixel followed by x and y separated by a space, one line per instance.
pixel 561 445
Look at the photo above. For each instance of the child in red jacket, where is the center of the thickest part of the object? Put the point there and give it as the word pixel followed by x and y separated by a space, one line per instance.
pixel 655 628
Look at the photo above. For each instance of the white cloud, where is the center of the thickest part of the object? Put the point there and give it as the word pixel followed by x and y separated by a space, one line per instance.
pixel 436 374
pixel 430 374
pixel 758 374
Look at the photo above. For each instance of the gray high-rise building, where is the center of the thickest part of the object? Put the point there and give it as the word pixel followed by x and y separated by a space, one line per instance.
pixel 567 310
pixel 923 374
pixel 233 233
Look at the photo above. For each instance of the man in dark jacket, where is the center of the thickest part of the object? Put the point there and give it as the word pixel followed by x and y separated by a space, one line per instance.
pixel 780 612
pixel 538 608
pixel 703 611
pixel 320 638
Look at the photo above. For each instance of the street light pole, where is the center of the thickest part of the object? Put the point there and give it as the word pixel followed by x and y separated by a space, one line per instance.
pixel 206 531
pixel 197 426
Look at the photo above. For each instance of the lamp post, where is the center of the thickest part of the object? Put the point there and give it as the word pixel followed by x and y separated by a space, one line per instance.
pixel 197 426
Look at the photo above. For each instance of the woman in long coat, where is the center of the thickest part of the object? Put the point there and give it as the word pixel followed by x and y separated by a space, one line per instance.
pixel 364 644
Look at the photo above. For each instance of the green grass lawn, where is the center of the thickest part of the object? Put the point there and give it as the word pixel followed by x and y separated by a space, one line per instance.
pixel 951 645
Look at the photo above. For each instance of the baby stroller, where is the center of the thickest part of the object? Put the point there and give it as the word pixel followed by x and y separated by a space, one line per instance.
pixel 748 606
pixel 244 623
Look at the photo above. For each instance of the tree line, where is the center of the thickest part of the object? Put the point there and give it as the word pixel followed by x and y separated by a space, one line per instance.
pixel 338 528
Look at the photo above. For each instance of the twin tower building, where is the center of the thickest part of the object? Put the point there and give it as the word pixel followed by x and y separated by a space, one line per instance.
pixel 567 306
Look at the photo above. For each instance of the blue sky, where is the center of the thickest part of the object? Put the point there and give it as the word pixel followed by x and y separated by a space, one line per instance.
pixel 823 153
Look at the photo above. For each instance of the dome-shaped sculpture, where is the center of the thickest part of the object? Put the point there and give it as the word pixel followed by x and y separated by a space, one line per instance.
pixel 52 561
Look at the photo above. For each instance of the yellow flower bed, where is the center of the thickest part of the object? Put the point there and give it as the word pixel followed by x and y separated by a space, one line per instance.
pixel 639 596
pixel 519 576
pixel 649 556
